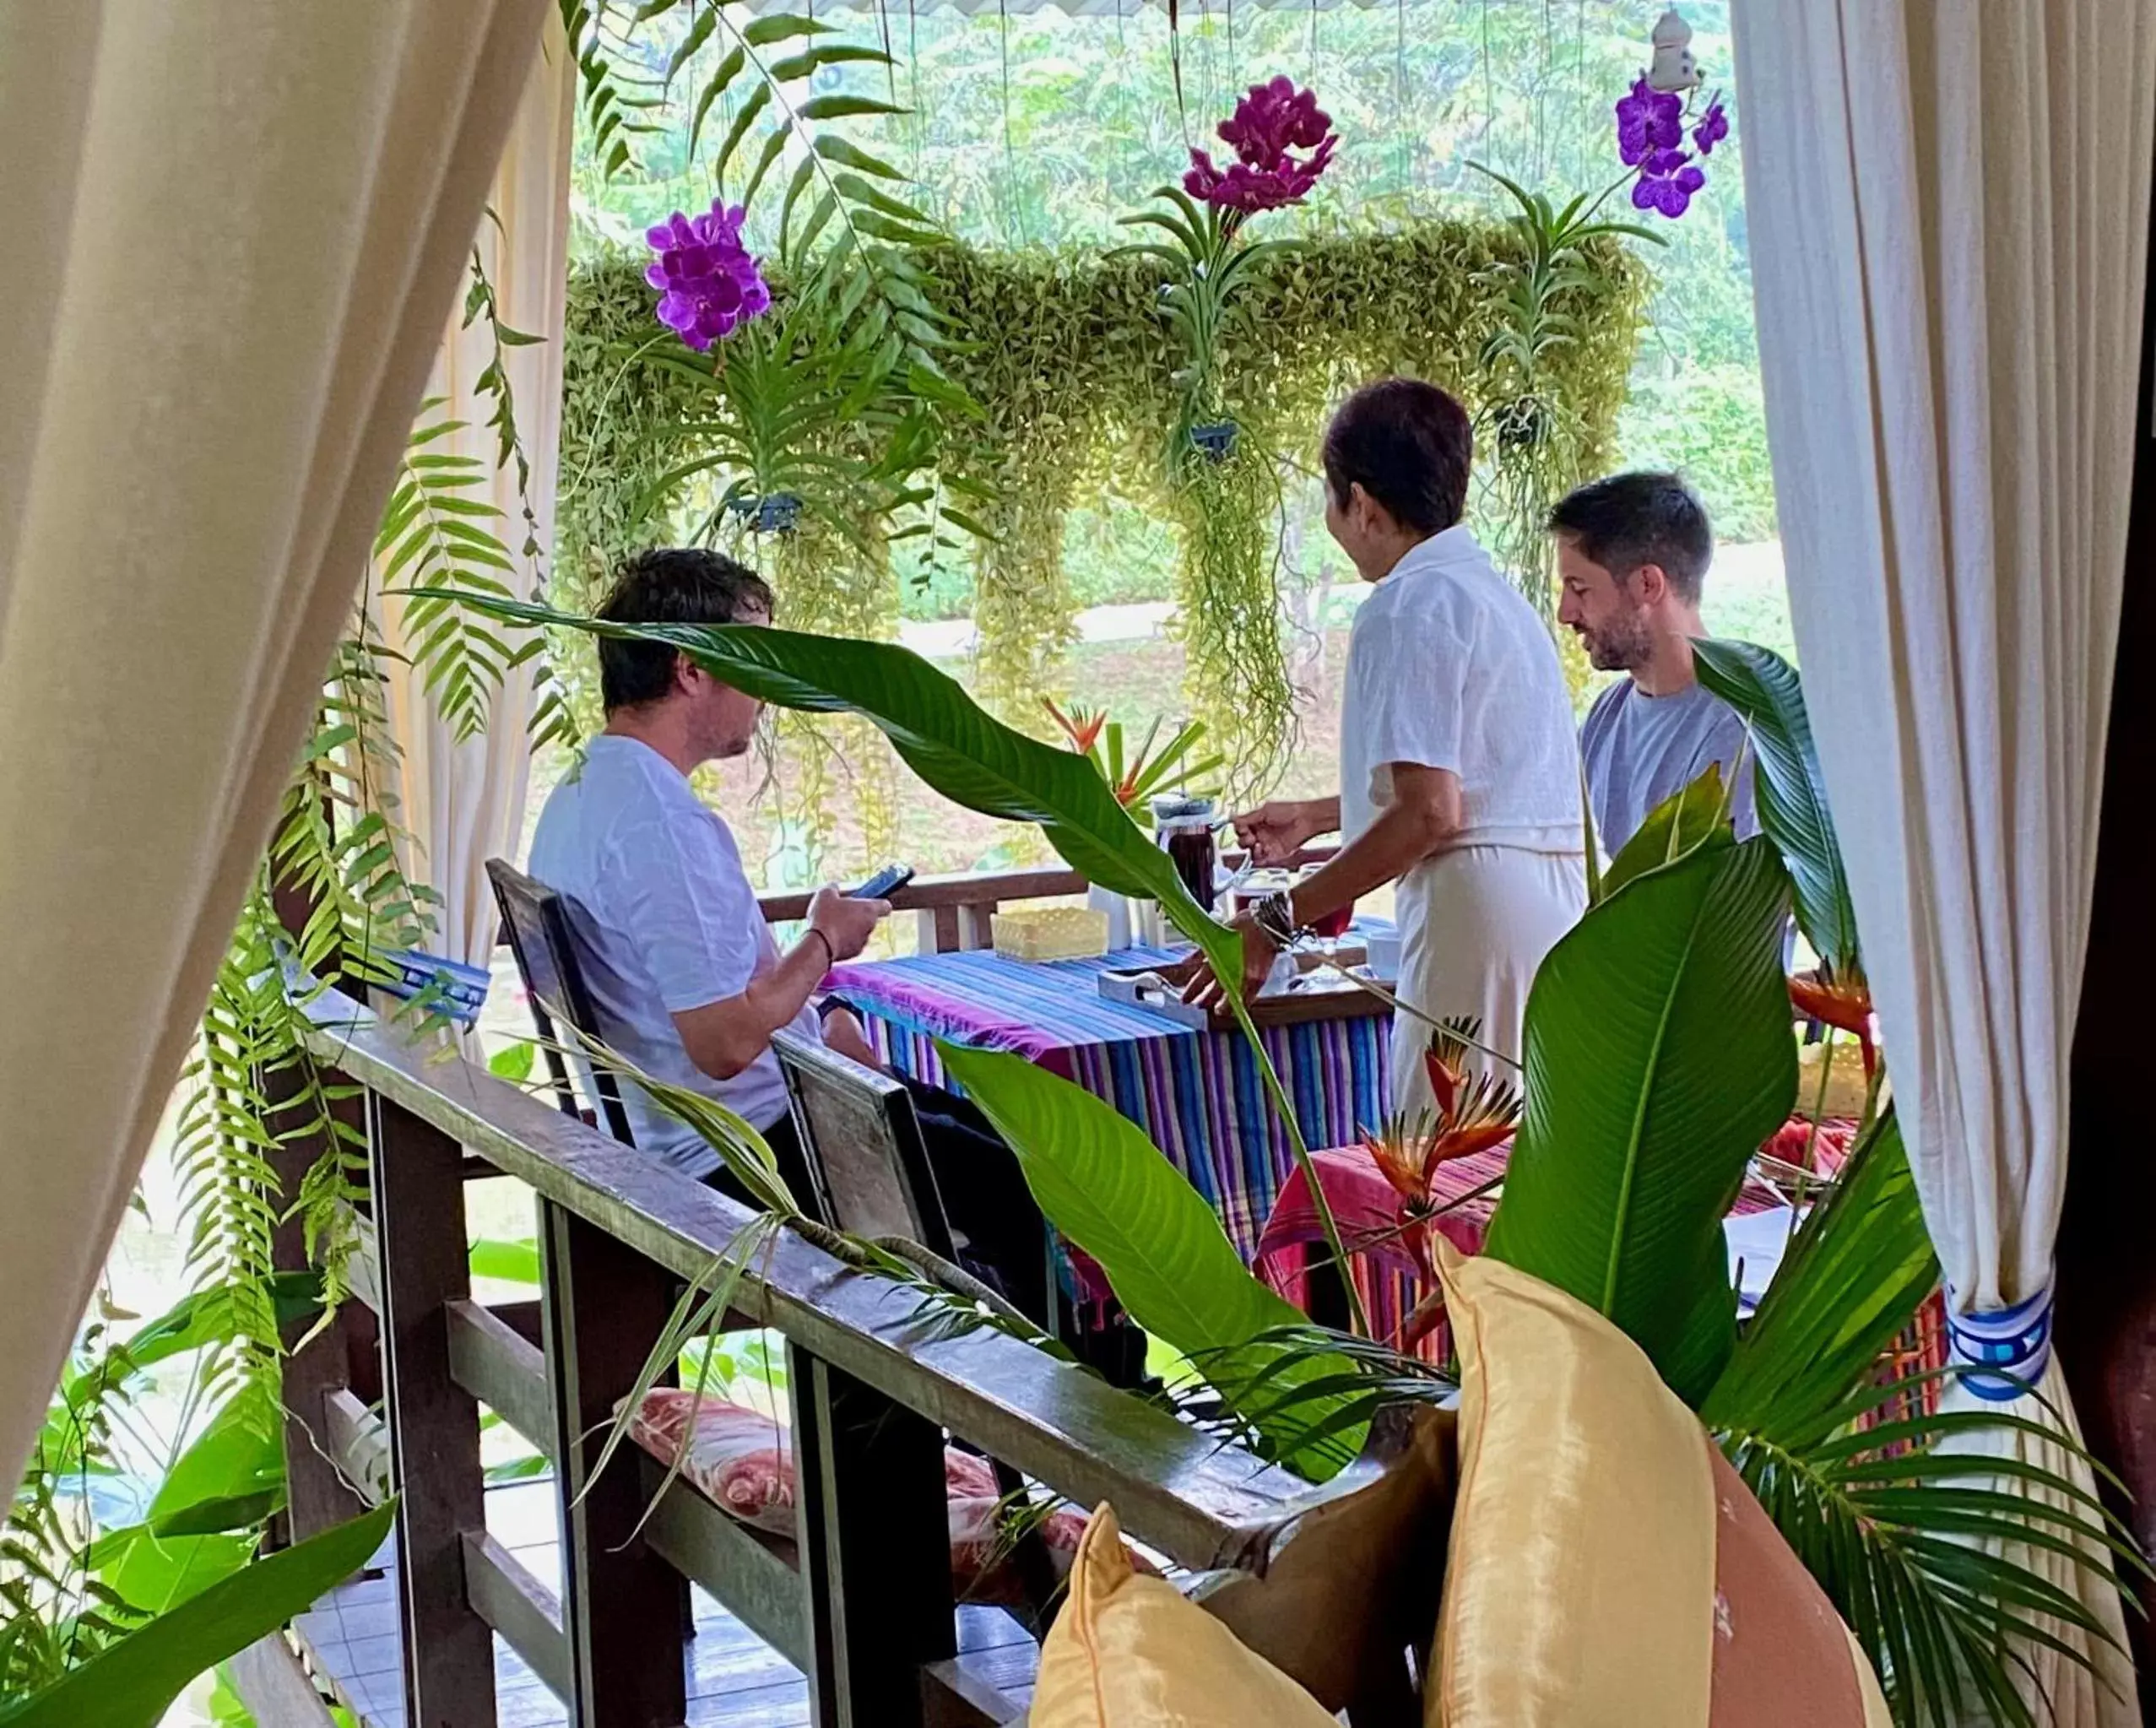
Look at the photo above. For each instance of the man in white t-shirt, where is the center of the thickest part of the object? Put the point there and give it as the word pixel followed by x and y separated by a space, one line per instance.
pixel 1459 778
pixel 687 981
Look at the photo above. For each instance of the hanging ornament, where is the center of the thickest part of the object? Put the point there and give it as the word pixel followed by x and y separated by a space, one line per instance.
pixel 1672 69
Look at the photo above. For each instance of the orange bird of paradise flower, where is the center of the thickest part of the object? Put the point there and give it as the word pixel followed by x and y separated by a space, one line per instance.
pixel 1081 726
pixel 1843 1003
pixel 1475 1112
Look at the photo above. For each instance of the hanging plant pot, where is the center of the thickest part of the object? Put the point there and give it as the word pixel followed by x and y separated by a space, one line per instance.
pixel 1523 423
pixel 773 513
pixel 1216 439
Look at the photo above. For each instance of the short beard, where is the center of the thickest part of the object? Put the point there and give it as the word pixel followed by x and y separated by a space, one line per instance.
pixel 1623 645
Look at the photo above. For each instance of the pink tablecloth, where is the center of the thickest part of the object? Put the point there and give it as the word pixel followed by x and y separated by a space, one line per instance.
pixel 1386 1275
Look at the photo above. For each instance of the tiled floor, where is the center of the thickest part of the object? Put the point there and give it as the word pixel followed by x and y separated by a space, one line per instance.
pixel 351 1639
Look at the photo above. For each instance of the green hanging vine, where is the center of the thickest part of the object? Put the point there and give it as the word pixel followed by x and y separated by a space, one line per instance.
pixel 1075 376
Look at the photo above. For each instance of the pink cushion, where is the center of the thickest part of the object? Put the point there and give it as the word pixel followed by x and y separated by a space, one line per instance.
pixel 743 1461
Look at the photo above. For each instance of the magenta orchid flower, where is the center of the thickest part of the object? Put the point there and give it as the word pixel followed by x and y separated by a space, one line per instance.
pixel 708 283
pixel 1268 124
pixel 1650 129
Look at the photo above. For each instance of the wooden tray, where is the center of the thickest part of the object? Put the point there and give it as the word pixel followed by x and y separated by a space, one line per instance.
pixel 1316 993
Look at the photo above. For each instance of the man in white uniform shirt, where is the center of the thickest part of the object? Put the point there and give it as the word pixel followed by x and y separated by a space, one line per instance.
pixel 687 981
pixel 1459 779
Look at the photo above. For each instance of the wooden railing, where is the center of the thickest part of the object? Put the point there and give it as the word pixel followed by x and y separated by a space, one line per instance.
pixel 953 911
pixel 861 1601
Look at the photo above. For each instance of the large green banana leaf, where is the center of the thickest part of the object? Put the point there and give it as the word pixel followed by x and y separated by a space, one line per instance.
pixel 1659 1056
pixel 1792 794
pixel 1854 1276
pixel 1106 1188
pixel 1694 817
pixel 964 753
pixel 198 1528
pixel 132 1683
pixel 970 758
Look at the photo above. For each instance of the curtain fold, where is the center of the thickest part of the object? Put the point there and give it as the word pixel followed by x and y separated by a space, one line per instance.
pixel 462 801
pixel 233 229
pixel 1948 213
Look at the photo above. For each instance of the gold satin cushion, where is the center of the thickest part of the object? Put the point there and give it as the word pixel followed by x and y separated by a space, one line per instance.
pixel 1606 1567
pixel 1128 1650
pixel 1580 1577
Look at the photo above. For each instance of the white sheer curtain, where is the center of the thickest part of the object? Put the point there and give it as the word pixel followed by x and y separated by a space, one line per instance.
pixel 233 229
pixel 1949 213
pixel 463 802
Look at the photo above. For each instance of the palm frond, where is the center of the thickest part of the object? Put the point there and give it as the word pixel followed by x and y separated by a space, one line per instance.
pixel 1854 1276
pixel 1901 1540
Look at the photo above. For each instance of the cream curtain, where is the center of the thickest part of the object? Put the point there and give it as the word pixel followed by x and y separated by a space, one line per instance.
pixel 233 229
pixel 462 802
pixel 1949 210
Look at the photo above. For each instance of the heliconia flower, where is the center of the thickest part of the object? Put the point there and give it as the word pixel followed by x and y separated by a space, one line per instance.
pixel 1713 127
pixel 1843 1003
pixel 1476 1111
pixel 1271 120
pixel 1648 120
pixel 1081 726
pixel 708 283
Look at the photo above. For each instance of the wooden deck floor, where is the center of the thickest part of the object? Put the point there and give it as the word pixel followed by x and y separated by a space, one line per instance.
pixel 351 1641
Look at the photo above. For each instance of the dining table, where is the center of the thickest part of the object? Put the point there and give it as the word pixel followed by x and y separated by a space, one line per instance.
pixel 1195 1091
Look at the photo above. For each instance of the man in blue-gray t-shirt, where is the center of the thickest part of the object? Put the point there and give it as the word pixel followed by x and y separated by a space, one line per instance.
pixel 1633 552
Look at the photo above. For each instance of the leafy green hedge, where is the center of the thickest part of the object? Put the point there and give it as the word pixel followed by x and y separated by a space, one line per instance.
pixel 1073 368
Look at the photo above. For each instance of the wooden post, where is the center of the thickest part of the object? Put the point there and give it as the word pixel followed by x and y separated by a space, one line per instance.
pixel 976 926
pixel 316 1495
pixel 434 1425
pixel 623 1609
pixel 874 1544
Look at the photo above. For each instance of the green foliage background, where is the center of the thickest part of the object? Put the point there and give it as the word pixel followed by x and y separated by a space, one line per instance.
pixel 1072 368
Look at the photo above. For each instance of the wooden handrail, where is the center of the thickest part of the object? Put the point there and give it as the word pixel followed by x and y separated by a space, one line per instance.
pixel 859 1595
pixel 1205 1505
pixel 967 888
pixel 954 911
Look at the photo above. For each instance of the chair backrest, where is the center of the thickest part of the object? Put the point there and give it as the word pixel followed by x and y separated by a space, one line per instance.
pixel 553 979
pixel 863 1144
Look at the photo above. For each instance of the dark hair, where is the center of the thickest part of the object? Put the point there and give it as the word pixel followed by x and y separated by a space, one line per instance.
pixel 1632 519
pixel 669 585
pixel 1408 445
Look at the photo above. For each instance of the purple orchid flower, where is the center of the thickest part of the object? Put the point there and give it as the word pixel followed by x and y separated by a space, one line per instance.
pixel 1713 126
pixel 1667 185
pixel 708 284
pixel 1648 120
pixel 1271 122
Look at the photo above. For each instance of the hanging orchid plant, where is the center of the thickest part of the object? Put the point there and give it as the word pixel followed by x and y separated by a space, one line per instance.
pixel 1567 254
pixel 708 283
pixel 1222 490
pixel 1652 121
pixel 1283 142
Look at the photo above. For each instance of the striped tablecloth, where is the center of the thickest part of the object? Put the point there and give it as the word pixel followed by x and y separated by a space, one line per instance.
pixel 1197 1095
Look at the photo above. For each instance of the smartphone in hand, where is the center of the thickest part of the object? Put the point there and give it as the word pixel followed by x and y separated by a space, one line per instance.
pixel 886 882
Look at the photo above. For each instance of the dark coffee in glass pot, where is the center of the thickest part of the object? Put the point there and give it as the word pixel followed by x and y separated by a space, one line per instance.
pixel 1184 826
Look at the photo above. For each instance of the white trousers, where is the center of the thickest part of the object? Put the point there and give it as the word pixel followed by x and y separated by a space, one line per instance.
pixel 1474 925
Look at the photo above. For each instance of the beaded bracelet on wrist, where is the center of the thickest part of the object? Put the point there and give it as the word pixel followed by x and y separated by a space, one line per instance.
pixel 1275 915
